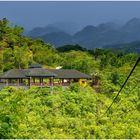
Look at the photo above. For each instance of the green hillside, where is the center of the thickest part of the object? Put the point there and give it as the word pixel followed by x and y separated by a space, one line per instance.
pixel 75 111
pixel 68 114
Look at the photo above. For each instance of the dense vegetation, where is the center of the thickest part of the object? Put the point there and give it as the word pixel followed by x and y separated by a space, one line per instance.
pixel 36 113
pixel 74 112
pixel 125 47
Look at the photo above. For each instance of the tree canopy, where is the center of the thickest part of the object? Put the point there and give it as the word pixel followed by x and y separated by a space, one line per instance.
pixel 75 111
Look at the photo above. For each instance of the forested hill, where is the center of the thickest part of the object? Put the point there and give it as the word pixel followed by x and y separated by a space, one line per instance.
pixel 132 47
pixel 19 51
pixel 72 112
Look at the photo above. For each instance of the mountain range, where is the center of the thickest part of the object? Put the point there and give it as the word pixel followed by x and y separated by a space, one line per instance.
pixel 90 36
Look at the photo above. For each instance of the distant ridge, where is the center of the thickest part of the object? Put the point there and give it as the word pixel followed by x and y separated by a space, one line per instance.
pixel 40 31
pixel 90 36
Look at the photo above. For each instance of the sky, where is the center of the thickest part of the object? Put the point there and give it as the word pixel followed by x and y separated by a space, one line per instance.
pixel 30 14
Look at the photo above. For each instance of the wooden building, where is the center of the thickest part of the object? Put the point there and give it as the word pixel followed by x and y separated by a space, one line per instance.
pixel 37 76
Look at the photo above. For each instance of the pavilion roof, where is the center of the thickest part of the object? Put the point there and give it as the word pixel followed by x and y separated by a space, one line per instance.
pixel 69 73
pixel 14 73
pixel 40 72
pixel 26 73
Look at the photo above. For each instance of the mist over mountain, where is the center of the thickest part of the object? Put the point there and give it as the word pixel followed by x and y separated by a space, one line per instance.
pixel 132 25
pixel 68 27
pixel 57 38
pixel 40 31
pixel 90 36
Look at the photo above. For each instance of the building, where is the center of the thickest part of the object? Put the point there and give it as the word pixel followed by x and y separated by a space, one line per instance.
pixel 35 75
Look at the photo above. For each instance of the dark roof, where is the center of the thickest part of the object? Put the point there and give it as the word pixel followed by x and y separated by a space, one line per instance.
pixel 65 73
pixel 14 73
pixel 26 73
pixel 39 72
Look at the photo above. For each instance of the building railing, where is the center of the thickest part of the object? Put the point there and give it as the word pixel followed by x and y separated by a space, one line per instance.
pixel 15 84
pixel 36 84
pixel 50 84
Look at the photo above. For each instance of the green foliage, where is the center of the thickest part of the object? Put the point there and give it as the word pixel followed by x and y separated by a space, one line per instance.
pixel 67 48
pixel 75 111
pixel 114 78
pixel 22 57
pixel 81 61
pixel 36 113
pixel 75 87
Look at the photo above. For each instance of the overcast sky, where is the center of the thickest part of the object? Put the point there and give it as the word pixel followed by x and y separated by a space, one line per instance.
pixel 32 14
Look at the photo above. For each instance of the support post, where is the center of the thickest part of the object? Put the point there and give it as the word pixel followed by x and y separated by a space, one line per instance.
pixel 62 82
pixel 6 82
pixel 50 81
pixel 18 81
pixel 52 84
pixel 40 80
pixel 29 82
